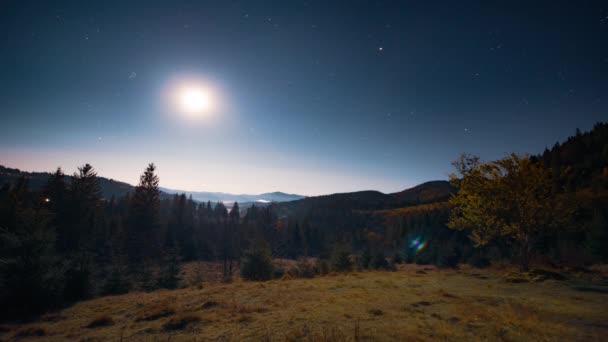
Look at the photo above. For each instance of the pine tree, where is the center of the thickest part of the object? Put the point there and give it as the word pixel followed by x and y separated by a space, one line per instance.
pixel 144 227
pixel 85 197
pixel 233 236
pixel 235 213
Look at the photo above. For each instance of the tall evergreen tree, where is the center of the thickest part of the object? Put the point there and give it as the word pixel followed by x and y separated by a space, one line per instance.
pixel 144 225
pixel 55 197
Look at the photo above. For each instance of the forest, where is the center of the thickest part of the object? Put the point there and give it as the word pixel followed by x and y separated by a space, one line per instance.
pixel 64 241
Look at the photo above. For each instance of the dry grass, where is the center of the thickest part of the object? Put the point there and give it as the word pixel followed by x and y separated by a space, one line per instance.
pixel 30 331
pixel 181 321
pixel 452 305
pixel 154 311
pixel 102 320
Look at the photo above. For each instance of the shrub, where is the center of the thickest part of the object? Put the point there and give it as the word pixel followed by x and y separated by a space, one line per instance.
pixel 278 272
pixel 379 261
pixel 397 259
pixel 304 268
pixel 323 266
pixel 257 264
pixel 340 260
pixel 366 259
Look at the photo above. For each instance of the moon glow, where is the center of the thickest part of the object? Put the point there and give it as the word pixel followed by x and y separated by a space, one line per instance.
pixel 193 100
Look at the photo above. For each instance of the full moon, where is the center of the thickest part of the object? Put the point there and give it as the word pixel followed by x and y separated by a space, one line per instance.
pixel 194 100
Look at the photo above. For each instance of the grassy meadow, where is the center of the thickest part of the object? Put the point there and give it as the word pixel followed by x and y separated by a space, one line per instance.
pixel 414 303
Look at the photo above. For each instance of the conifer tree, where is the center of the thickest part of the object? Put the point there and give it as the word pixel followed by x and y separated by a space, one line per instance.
pixel 144 227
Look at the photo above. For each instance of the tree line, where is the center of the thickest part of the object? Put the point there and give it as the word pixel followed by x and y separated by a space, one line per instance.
pixel 66 243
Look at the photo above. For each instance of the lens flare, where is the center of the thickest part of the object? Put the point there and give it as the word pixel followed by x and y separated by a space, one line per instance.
pixel 418 245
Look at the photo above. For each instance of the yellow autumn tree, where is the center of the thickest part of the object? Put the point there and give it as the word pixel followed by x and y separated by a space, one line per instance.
pixel 508 199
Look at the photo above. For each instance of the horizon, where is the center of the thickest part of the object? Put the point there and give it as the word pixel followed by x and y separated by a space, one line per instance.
pixel 176 190
pixel 221 98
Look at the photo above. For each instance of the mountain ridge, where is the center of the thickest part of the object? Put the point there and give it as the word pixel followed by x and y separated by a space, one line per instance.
pixel 111 187
pixel 428 192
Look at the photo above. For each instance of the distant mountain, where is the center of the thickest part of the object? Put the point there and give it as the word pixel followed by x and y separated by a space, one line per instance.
pixel 429 192
pixel 203 196
pixel 110 187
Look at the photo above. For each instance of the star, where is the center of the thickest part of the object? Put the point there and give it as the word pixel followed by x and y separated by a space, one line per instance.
pixel 380 49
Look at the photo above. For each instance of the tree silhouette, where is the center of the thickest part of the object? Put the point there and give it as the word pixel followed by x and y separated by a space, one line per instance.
pixel 144 227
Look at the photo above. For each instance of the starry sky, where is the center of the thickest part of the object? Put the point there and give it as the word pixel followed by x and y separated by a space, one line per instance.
pixel 312 97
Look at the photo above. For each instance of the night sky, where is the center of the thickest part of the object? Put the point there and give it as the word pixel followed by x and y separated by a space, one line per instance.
pixel 308 97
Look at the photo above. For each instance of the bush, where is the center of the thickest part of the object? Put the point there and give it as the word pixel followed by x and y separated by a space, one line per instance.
pixel 323 266
pixel 278 272
pixel 366 259
pixel 379 261
pixel 397 259
pixel 257 264
pixel 340 260
pixel 304 268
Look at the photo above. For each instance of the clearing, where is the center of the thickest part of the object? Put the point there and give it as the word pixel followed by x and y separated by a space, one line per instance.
pixel 414 303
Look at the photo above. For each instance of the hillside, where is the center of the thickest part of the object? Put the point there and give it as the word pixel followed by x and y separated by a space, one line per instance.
pixel 37 180
pixel 429 192
pixel 580 162
pixel 413 304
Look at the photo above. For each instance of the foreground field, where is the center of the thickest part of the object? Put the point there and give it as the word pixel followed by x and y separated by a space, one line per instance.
pixel 414 303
